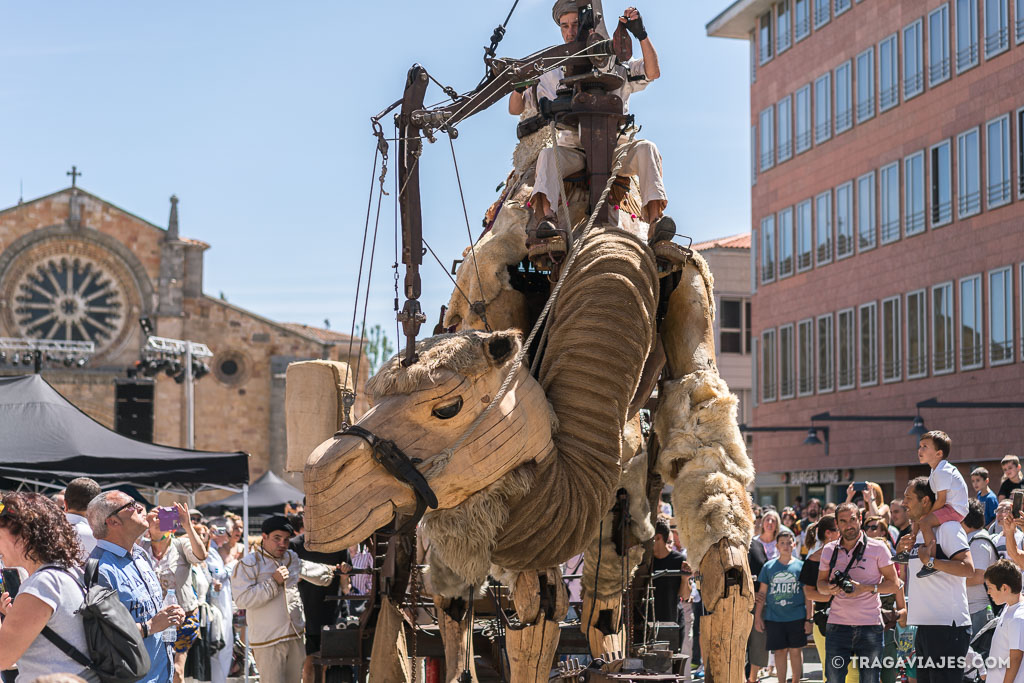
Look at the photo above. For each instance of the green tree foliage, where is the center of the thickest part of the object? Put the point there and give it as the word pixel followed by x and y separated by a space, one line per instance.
pixel 378 347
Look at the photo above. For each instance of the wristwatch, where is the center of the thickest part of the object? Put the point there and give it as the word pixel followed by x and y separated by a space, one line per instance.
pixel 931 563
pixel 874 589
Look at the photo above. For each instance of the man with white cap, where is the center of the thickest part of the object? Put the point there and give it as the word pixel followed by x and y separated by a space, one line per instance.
pixel 642 160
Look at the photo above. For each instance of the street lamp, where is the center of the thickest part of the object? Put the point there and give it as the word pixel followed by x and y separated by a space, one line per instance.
pixel 812 432
pixel 919 428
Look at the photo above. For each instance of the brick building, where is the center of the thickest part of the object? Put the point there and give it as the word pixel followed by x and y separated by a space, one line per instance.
pixel 75 267
pixel 888 231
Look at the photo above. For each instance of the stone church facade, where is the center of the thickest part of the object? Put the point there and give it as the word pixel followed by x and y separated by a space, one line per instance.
pixel 76 267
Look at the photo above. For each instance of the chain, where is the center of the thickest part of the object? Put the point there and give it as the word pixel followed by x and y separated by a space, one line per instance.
pixel 414 579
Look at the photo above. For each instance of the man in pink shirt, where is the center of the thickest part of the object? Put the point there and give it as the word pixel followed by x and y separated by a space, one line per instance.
pixel 855 570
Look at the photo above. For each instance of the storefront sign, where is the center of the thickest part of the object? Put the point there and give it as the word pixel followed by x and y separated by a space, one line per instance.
pixel 814 477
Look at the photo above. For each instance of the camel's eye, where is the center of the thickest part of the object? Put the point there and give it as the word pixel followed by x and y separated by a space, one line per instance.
pixel 448 410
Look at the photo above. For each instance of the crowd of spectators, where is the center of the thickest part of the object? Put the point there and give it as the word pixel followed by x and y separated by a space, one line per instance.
pixel 193 586
pixel 924 587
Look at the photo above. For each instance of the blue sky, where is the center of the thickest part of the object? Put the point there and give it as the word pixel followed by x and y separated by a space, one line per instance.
pixel 256 115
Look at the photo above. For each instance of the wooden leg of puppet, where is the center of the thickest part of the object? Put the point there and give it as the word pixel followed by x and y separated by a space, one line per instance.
pixel 727 590
pixel 455 619
pixel 688 329
pixel 606 635
pixel 541 602
pixel 389 658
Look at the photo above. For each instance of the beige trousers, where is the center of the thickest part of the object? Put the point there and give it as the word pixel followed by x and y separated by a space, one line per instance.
pixel 280 662
pixel 642 160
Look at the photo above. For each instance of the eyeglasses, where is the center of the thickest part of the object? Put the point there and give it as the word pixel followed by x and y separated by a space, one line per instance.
pixel 872 527
pixel 137 507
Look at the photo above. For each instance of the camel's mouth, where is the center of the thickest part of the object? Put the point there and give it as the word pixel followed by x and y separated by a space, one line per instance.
pixel 349 496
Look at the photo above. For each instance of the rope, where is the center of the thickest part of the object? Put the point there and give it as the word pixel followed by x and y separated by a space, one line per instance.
pixel 359 279
pixel 427 245
pixel 440 461
pixel 469 234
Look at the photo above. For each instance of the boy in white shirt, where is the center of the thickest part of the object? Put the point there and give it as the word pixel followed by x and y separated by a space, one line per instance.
pixel 948 484
pixel 1003 582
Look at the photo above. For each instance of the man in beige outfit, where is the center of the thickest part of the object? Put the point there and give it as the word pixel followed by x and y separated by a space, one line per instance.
pixel 264 585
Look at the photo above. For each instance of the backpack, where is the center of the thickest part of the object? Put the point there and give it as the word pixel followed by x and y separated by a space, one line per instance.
pixel 116 651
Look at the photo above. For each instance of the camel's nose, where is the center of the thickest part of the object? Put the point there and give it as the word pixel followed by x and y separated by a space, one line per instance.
pixel 348 495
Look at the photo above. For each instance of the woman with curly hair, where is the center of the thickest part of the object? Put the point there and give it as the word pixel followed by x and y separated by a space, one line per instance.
pixel 35 536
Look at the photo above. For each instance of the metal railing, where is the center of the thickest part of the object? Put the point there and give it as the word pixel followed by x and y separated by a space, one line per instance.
pixel 915 222
pixel 865 108
pixel 823 131
pixel 969 203
pixel 891 230
pixel 1000 351
pixel 803 141
pixel 967 57
pixel 889 97
pixel 939 71
pixel 844 119
pixel 913 84
pixel 942 212
pixel 998 41
pixel 999 193
pixel 917 364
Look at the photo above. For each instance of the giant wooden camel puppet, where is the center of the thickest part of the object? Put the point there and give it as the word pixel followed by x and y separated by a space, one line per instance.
pixel 520 470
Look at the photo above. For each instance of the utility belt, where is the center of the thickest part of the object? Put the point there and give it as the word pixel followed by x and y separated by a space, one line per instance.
pixel 547 111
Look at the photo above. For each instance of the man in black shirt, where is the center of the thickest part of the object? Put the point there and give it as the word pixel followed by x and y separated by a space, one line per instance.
pixel 757 652
pixel 320 611
pixel 668 590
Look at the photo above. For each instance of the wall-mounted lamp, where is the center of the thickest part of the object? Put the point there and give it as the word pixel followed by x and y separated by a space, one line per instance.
pixel 812 433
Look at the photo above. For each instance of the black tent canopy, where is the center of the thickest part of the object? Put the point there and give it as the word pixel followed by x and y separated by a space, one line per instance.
pixel 44 437
pixel 267 495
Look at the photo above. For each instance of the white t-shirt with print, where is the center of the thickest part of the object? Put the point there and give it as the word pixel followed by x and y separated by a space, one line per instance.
pixel 946 477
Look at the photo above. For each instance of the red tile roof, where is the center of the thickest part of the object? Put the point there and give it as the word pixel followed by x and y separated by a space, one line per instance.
pixel 319 333
pixel 741 241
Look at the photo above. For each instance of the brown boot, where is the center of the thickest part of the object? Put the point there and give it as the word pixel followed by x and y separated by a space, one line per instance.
pixel 663 229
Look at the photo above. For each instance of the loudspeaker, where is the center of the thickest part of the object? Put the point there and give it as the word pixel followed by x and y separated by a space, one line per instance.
pixel 133 408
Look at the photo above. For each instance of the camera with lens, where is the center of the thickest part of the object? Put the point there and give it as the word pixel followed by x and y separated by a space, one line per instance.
pixel 843 582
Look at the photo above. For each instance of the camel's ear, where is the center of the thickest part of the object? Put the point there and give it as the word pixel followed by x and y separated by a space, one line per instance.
pixel 501 346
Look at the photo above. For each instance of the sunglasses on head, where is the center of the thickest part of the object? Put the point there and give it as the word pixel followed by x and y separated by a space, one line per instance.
pixel 133 504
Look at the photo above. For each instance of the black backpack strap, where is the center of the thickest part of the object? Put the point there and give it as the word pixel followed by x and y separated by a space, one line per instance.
pixel 67 648
pixel 51 635
pixel 92 571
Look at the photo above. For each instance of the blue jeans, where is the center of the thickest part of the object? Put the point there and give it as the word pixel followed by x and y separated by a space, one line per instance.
pixel 843 642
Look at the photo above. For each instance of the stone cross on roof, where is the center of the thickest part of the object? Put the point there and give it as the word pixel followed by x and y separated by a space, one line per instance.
pixel 74 173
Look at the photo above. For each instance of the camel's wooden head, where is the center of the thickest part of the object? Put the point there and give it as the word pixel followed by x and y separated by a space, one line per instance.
pixel 425 409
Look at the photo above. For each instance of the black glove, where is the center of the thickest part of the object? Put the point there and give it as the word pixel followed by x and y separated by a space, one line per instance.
pixel 636 27
pixel 521 89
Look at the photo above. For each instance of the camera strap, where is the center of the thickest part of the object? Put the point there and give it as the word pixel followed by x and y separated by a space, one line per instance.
pixel 858 553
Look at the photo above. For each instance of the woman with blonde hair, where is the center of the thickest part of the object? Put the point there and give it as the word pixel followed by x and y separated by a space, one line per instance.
pixel 771 523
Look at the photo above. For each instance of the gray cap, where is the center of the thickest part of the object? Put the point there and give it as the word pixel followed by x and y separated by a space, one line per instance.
pixel 563 7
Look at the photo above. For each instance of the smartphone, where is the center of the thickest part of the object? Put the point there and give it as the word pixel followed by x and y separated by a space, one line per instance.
pixel 860 486
pixel 169 520
pixel 1018 500
pixel 11 581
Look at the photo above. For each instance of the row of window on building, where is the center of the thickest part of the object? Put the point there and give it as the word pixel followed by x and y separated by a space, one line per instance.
pixel 849 90
pixel 903 337
pixel 887 205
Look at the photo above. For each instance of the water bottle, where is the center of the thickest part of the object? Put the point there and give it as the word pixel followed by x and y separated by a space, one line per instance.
pixel 170 634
